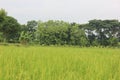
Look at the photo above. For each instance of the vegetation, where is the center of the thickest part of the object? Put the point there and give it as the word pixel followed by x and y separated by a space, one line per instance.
pixel 59 63
pixel 94 33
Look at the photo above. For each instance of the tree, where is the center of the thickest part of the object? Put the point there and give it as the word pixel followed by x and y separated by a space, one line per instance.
pixel 53 32
pixel 24 28
pixel 76 35
pixel 3 14
pixel 98 26
pixel 105 29
pixel 31 27
pixel 1 37
pixel 94 33
pixel 113 41
pixel 24 38
pixel 10 29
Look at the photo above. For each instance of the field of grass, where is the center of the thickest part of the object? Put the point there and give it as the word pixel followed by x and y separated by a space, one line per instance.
pixel 59 63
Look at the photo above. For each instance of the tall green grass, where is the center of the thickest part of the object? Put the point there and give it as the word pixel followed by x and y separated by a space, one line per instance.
pixel 59 63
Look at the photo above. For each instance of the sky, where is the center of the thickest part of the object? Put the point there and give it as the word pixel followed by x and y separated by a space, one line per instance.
pixel 80 11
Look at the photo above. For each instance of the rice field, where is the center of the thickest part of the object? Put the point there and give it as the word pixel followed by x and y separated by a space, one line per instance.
pixel 59 63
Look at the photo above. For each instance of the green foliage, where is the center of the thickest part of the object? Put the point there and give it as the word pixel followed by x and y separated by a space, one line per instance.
pixel 9 27
pixel 94 33
pixel 78 36
pixel 25 37
pixel 104 30
pixel 61 33
pixel 31 26
pixel 113 41
pixel 52 32
pixel 95 43
pixel 1 37
pixel 3 14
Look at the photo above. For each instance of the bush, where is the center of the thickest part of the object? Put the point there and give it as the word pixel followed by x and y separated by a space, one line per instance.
pixel 24 38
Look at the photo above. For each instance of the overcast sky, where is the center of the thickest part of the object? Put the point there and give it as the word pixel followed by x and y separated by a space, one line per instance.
pixel 79 11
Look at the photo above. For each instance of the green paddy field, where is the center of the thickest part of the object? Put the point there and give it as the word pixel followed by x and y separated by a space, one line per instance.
pixel 59 63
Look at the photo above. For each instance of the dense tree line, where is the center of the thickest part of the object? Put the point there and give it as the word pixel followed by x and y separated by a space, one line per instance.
pixel 94 33
pixel 9 28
